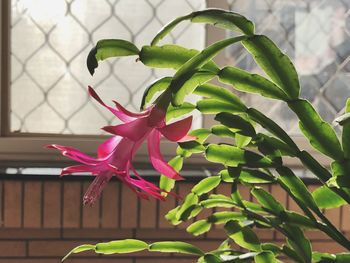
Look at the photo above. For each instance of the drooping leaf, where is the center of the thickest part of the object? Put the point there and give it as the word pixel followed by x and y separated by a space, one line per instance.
pixel 225 216
pixel 171 216
pixel 320 133
pixel 242 140
pixel 212 106
pixel 265 257
pixel 107 48
pixel 192 146
pixel 190 201
pixel 166 183
pixel 170 56
pixel 155 87
pixel 79 249
pixel 211 258
pixel 121 246
pixel 320 257
pixel 175 247
pixel 278 144
pixel 236 123
pixel 297 187
pixel 188 69
pixel 272 127
pixel 175 112
pixel 298 241
pixel 251 83
pixel 206 185
pixel 342 257
pixel 267 201
pixel 217 202
pixel 217 17
pixel 222 131
pixel 297 219
pixel 243 236
pixel 255 177
pixel 326 198
pixel 275 64
pixel 221 94
pixel 234 156
pixel 199 227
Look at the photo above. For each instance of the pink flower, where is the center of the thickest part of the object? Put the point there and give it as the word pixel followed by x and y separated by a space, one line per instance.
pixel 114 156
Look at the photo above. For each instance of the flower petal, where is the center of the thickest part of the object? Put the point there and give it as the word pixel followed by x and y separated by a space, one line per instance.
pixel 78 169
pixel 117 112
pixel 177 131
pixel 134 130
pixel 107 147
pixel 129 113
pixel 74 154
pixel 157 159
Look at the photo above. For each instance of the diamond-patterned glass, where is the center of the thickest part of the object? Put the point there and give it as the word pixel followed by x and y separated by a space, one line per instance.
pixel 316 36
pixel 49 44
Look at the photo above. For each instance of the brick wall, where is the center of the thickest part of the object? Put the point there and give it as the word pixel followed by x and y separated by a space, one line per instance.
pixel 42 219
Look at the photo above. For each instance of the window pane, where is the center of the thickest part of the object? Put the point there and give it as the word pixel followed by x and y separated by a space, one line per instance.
pixel 49 44
pixel 315 34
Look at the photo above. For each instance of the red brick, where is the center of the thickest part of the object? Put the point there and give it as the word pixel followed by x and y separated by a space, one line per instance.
pixel 72 202
pixel 49 248
pixel 163 234
pixel 52 204
pixel 102 260
pixel 164 208
pixel 110 205
pixel 245 192
pixel 32 204
pixel 29 260
pixel 279 194
pixel 12 248
pixel 12 203
pixel 34 233
pixel 333 215
pixel 345 217
pixel 96 233
pixel 91 214
pixel 168 260
pixel 148 213
pixel 129 208
pixel 327 246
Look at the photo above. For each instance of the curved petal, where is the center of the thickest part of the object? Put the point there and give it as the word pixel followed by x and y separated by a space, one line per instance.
pixel 74 154
pixel 107 147
pixel 117 112
pixel 177 131
pixel 129 113
pixel 157 159
pixel 133 130
pixel 95 189
pixel 78 169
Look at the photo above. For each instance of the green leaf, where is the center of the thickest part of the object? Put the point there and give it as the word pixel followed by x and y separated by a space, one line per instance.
pixel 234 156
pixel 190 67
pixel 297 187
pixel 346 132
pixel 272 127
pixel 79 249
pixel 121 246
pixel 342 257
pixel 171 56
pixel 243 236
pixel 221 94
pixel 297 219
pixel 210 258
pixel 107 48
pixel 251 83
pixel 320 133
pixel 192 146
pixel 323 257
pixel 326 198
pixel 242 141
pixel 275 64
pixel 198 228
pixel 201 134
pixel 155 87
pixel 218 202
pixel 343 119
pixel 225 216
pixel 171 216
pixel 212 106
pixel 271 247
pixel 236 124
pixel 166 183
pixel 299 242
pixel 217 17
pixel 255 177
pixel 206 185
pixel 278 144
pixel 190 201
pixel 222 131
pixel 265 257
pixel 267 201
pixel 175 112
pixel 175 247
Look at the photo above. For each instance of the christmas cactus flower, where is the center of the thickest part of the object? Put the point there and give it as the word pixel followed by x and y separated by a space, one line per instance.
pixel 114 156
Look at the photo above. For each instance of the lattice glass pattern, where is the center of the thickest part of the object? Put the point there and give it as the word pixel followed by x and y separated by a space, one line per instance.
pixel 316 36
pixel 50 40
